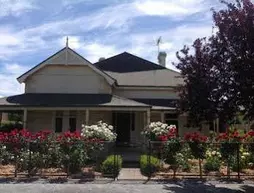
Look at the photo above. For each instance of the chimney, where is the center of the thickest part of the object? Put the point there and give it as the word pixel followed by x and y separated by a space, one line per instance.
pixel 101 58
pixel 162 58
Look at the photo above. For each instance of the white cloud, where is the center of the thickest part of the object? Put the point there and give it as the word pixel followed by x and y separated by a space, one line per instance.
pixel 115 24
pixel 15 7
pixel 9 85
pixel 94 51
pixel 173 39
pixel 171 8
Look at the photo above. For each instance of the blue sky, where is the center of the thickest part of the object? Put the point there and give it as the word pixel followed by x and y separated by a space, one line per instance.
pixel 31 30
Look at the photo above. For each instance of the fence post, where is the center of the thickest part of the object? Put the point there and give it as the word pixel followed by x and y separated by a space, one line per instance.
pixel 238 160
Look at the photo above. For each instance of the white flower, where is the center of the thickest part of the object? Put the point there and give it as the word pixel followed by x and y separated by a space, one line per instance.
pixel 246 153
pixel 101 131
pixel 214 152
pixel 4 147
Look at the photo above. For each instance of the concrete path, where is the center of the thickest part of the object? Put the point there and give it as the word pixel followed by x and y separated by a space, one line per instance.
pixel 131 174
pixel 126 188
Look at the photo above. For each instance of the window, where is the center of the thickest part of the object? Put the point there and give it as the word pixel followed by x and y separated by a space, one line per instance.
pixel 59 122
pixel 72 124
pixel 171 119
pixel 72 121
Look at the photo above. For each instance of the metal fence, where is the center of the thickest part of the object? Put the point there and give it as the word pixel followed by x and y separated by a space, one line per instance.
pixel 52 159
pixel 233 158
pixel 79 160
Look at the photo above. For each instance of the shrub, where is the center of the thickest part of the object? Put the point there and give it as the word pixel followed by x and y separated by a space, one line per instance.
pixel 212 164
pixel 244 160
pixel 197 144
pixel 112 165
pixel 9 126
pixel 182 162
pixel 145 168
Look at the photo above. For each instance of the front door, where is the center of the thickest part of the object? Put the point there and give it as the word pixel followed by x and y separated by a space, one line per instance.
pixel 123 125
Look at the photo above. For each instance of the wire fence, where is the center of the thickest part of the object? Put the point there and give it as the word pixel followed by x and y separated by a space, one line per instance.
pixel 82 159
pixel 100 160
pixel 212 159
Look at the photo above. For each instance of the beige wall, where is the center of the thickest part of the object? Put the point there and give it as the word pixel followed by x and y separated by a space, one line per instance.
pixel 95 116
pixel 39 120
pixel 155 116
pixel 66 79
pixel 143 93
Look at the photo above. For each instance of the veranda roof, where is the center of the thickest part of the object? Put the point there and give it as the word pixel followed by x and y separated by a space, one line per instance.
pixel 68 100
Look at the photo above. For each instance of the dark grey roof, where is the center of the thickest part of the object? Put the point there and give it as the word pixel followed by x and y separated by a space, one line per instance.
pixel 68 100
pixel 126 62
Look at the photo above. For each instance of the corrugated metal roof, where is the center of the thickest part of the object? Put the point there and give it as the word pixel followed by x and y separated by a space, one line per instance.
pixel 68 100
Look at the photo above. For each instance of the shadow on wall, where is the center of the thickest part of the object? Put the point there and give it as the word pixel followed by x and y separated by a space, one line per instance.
pixel 205 187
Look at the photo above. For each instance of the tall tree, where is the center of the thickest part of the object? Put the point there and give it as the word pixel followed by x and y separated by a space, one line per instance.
pixel 235 26
pixel 204 94
pixel 219 74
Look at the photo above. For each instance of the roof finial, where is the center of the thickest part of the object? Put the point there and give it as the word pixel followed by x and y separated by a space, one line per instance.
pixel 158 42
pixel 67 42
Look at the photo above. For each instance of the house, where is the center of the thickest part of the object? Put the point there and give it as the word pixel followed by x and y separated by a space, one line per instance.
pixel 66 90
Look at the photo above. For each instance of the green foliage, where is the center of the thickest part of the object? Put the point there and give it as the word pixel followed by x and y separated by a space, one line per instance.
pixel 112 165
pixel 16 117
pixel 9 126
pixel 212 164
pixel 198 149
pixel 149 169
pixel 171 149
pixel 182 162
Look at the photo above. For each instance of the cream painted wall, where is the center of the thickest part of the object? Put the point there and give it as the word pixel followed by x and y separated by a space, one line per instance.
pixel 95 116
pixel 39 120
pixel 143 93
pixel 66 79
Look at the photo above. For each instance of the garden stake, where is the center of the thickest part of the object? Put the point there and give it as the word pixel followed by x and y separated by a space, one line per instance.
pixel 200 167
pixel 238 161
pixel 228 169
pixel 114 170
pixel 149 160
pixel 16 167
pixel 30 160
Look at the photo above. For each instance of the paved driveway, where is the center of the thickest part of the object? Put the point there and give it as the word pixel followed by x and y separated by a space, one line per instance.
pixel 120 187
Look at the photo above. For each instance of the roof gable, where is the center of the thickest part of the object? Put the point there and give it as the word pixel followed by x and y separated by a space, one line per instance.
pixel 126 62
pixel 65 56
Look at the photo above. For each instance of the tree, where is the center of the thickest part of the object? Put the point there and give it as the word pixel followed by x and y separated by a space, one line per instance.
pixel 219 74
pixel 235 33
pixel 204 94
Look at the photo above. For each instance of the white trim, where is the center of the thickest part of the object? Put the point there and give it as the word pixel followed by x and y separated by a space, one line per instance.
pixel 108 78
pixel 144 88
